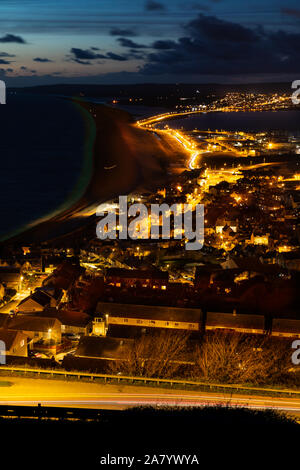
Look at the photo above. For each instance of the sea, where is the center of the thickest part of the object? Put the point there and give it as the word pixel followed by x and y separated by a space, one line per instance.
pixel 45 160
pixel 287 121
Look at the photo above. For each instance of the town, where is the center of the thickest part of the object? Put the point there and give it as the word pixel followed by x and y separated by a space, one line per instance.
pixel 87 304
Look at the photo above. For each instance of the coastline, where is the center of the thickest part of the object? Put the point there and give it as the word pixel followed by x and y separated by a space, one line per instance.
pixel 138 159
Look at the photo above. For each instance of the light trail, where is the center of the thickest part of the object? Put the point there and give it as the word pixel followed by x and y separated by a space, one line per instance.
pixel 126 400
pixel 31 392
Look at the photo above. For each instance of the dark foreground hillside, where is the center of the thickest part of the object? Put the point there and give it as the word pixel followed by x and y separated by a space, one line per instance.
pixel 226 436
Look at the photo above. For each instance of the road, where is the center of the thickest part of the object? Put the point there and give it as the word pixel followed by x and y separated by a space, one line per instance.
pixel 28 391
pixel 12 305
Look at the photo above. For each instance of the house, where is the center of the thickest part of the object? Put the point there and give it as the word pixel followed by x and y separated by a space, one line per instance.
pixel 290 260
pixel 36 328
pixel 286 328
pixel 259 239
pixel 72 321
pixel 64 275
pixel 154 279
pixel 236 322
pixel 36 302
pixel 54 294
pixel 252 266
pixel 204 275
pixel 11 277
pixel 15 343
pixel 2 291
pixel 227 232
pixel 144 317
pixel 223 222
pixel 103 347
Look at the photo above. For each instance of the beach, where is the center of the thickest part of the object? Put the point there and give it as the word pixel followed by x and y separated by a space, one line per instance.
pixel 122 157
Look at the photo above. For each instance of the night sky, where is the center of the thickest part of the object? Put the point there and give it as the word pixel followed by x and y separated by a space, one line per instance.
pixel 130 41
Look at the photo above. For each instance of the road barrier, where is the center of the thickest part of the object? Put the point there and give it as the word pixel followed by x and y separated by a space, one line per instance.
pixel 107 378
pixel 54 413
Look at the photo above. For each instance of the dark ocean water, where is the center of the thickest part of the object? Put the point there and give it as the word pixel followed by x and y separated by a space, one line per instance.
pixel 259 121
pixel 42 150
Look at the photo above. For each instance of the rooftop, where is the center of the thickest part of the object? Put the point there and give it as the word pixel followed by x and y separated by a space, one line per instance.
pixel 32 323
pixel 8 336
pixel 137 273
pixel 102 347
pixel 227 320
pixel 150 312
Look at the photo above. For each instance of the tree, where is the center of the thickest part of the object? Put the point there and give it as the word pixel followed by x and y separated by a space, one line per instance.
pixel 159 354
pixel 236 358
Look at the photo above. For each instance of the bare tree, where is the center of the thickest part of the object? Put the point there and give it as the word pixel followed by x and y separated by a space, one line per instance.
pixel 157 355
pixel 236 358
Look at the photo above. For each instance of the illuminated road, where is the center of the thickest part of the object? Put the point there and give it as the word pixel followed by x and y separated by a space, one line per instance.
pixel 14 302
pixel 27 391
pixel 226 109
pixel 189 145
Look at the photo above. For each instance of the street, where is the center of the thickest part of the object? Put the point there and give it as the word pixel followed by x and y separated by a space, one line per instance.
pixel 28 391
pixel 12 305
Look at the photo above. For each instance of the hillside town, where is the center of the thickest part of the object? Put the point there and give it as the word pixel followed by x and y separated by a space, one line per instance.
pixel 81 304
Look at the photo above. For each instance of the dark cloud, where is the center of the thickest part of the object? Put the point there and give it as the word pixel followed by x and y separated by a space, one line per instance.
pixel 122 32
pixel 220 30
pixel 164 44
pixel 131 44
pixel 42 59
pixel 216 47
pixel 152 5
pixel 133 54
pixel 5 54
pixel 12 38
pixel 81 62
pixel 291 12
pixel 113 56
pixel 85 54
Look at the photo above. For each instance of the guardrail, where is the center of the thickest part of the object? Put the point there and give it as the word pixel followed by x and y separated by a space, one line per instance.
pixel 54 413
pixel 107 378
